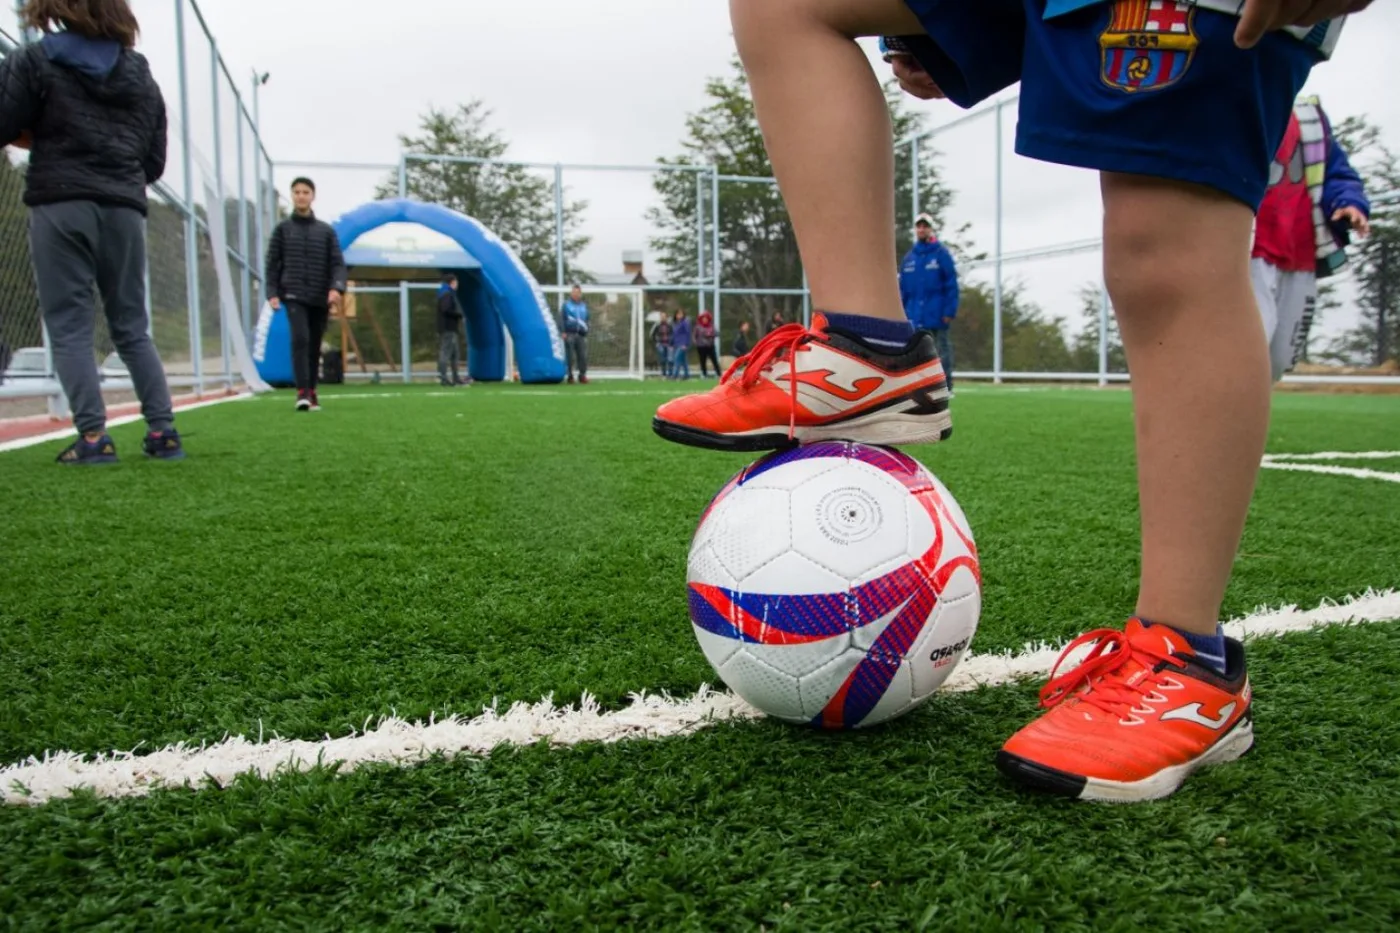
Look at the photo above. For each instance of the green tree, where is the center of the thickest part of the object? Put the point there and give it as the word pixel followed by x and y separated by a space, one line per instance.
pixel 1085 348
pixel 510 200
pixel 1031 342
pixel 758 248
pixel 1375 261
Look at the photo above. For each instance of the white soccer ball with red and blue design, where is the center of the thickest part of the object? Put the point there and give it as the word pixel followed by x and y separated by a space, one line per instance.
pixel 834 584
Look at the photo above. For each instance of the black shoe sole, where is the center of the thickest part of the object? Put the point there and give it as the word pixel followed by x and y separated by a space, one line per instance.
pixel 708 440
pixel 1037 777
pixel 742 443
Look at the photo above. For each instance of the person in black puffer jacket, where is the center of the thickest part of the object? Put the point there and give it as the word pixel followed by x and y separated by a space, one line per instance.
pixel 306 275
pixel 86 105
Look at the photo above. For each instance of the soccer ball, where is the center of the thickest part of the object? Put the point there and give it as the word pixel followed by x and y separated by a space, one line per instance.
pixel 834 584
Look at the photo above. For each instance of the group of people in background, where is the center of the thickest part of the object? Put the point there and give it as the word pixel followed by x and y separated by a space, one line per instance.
pixel 672 337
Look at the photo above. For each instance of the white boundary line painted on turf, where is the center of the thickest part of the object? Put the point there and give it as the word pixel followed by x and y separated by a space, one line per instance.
pixel 66 433
pixel 124 774
pixel 1338 455
pixel 1313 463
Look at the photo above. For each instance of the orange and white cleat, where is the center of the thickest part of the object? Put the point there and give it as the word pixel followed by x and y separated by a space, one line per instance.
pixel 799 385
pixel 1134 719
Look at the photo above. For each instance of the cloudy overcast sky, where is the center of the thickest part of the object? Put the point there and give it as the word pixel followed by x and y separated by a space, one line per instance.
pixel 611 81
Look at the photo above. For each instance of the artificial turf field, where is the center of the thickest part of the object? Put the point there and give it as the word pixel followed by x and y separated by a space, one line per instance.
pixel 411 552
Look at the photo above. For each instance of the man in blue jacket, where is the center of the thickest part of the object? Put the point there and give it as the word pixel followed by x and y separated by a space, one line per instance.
pixel 576 316
pixel 928 285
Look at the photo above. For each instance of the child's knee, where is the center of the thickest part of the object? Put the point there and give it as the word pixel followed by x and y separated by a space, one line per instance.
pixel 1166 243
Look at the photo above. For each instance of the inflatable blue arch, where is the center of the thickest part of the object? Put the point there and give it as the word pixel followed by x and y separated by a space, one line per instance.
pixel 501 295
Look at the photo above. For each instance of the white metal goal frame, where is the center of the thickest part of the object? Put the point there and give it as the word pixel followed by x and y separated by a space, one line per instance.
pixel 606 359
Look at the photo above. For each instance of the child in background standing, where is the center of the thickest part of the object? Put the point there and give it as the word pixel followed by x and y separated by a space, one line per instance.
pixel 705 339
pixel 83 100
pixel 661 339
pixel 680 346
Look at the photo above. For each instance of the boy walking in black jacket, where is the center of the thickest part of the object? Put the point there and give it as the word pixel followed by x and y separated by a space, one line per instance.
pixel 86 105
pixel 306 276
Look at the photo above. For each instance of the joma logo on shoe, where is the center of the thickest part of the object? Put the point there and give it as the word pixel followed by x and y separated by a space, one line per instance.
pixel 1193 713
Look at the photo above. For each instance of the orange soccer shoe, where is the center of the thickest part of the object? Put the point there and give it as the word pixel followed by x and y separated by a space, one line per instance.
pixel 800 385
pixel 1134 719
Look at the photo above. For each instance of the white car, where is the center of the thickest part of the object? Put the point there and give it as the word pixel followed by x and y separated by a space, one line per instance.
pixel 27 363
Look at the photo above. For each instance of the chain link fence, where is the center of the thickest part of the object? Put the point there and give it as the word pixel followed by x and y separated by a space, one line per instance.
pixel 215 161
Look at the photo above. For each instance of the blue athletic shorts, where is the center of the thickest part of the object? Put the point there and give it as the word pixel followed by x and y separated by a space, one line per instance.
pixel 1123 86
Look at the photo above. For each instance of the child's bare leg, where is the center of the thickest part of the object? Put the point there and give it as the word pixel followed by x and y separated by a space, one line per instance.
pixel 828 135
pixel 1177 262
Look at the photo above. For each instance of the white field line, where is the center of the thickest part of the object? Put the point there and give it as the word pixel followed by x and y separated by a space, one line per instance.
pixel 1352 472
pixel 1338 455
pixel 125 774
pixel 1317 463
pixel 69 432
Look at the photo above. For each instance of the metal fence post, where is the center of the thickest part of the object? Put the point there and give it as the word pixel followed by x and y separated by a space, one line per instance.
pixel 271 192
pixel 259 212
pixel 700 242
pixel 917 199
pixel 1383 304
pixel 244 247
pixel 403 175
pixel 806 300
pixel 1103 335
pixel 559 228
pixel 191 227
pixel 225 347
pixel 405 333
pixel 997 354
pixel 716 259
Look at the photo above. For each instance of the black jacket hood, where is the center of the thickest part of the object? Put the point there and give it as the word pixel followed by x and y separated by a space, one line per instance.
pixel 106 74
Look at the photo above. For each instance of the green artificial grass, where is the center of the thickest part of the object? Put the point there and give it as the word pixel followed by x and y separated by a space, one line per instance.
pixel 410 552
pixel 764 826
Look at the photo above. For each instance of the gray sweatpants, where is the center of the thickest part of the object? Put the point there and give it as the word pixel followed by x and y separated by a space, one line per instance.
pixel 576 354
pixel 449 355
pixel 76 244
pixel 1288 304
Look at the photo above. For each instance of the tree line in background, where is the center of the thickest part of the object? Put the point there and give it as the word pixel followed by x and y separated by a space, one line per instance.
pixel 760 250
pixel 518 204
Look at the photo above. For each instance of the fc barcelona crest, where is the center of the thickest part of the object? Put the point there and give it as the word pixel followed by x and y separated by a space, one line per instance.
pixel 1148 44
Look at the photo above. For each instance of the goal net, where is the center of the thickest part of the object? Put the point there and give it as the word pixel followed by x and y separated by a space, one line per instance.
pixel 615 324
